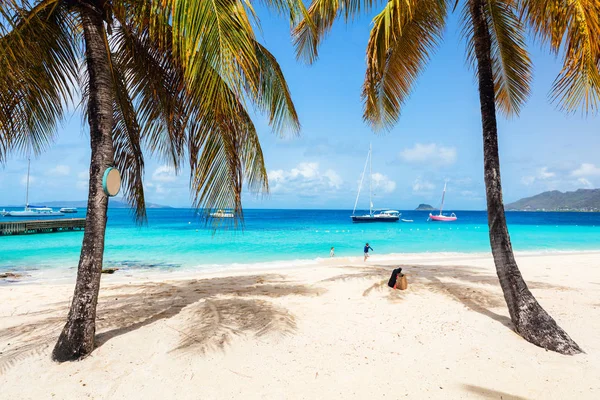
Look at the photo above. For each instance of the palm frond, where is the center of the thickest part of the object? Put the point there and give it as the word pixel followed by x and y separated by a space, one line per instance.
pixel 38 67
pixel 126 135
pixel 403 36
pixel 155 85
pixel 510 60
pixel 205 113
pixel 214 34
pixel 319 19
pixel 273 95
pixel 224 150
pixel 571 27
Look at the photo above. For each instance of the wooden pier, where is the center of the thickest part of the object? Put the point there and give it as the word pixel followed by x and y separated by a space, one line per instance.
pixel 41 226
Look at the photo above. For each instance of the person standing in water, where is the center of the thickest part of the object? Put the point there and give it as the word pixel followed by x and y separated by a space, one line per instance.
pixel 332 252
pixel 367 248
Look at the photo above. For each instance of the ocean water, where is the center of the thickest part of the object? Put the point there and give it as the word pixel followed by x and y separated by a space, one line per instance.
pixel 176 239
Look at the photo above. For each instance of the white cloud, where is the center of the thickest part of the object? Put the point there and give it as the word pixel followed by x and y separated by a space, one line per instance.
pixel 383 183
pixel 542 174
pixel 83 179
pixel 429 154
pixel 334 179
pixel 164 180
pixel 84 175
pixel 586 170
pixel 422 186
pixel 304 179
pixel 469 194
pixel 527 180
pixel 32 179
pixel 164 173
pixel 59 170
pixel 587 184
pixel 305 170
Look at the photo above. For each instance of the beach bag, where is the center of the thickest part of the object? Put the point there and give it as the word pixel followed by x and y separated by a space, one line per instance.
pixel 401 282
pixel 394 277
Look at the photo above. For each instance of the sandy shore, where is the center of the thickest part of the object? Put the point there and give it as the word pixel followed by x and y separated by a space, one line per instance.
pixel 317 332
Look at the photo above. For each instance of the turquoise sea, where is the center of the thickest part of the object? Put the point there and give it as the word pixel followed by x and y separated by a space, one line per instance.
pixel 176 239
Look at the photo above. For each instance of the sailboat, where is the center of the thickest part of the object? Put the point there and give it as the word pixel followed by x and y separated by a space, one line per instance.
pixel 382 215
pixel 32 211
pixel 441 217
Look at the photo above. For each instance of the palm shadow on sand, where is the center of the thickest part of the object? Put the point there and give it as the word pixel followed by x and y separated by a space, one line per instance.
pixel 485 393
pixel 216 310
pixel 470 286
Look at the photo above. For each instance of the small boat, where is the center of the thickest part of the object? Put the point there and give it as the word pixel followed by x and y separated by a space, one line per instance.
pixel 68 210
pixel 382 215
pixel 441 217
pixel 221 214
pixel 34 211
pixel 407 220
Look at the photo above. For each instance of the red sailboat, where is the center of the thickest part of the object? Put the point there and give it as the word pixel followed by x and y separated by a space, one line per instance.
pixel 441 217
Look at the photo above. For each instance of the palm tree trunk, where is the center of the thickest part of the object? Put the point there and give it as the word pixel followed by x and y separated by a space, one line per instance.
pixel 531 321
pixel 77 337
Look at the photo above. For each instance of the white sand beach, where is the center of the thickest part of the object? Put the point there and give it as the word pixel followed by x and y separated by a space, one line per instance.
pixel 316 332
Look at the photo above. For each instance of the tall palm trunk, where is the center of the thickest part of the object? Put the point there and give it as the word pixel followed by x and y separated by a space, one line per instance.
pixel 77 337
pixel 531 321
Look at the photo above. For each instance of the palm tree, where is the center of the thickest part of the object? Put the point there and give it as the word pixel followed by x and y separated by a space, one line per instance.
pixel 170 78
pixel 402 38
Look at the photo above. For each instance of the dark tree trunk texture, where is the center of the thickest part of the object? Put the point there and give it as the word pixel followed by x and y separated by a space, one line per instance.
pixel 531 321
pixel 77 338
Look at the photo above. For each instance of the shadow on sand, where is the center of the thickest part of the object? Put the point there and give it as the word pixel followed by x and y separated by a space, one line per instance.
pixel 491 394
pixel 216 310
pixel 474 287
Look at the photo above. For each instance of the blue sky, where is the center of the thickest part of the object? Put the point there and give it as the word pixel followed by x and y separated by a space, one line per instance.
pixel 437 138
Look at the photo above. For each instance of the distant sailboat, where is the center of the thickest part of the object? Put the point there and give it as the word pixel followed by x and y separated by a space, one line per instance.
pixel 32 211
pixel 440 217
pixel 383 215
pixel 222 214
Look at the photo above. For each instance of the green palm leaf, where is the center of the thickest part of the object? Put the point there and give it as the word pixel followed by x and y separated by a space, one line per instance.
pixel 510 61
pixel 401 41
pixel 573 28
pixel 38 69
pixel 319 19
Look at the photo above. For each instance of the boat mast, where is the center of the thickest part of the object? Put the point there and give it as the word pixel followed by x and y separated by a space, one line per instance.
pixel 443 195
pixel 370 180
pixel 27 190
pixel 362 178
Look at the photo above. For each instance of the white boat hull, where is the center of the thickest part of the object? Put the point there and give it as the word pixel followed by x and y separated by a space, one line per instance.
pixel 33 214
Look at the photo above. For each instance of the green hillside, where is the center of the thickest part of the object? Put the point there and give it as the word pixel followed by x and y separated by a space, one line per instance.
pixel 579 200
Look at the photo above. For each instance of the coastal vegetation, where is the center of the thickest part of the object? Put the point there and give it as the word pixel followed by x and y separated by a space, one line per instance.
pixel 172 79
pixel 402 39
pixel 584 200
pixel 425 207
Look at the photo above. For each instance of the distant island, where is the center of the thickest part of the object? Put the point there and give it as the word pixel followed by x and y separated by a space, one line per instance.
pixel 112 203
pixel 425 207
pixel 585 200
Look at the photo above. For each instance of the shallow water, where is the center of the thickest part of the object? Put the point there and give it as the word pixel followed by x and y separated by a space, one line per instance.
pixel 177 239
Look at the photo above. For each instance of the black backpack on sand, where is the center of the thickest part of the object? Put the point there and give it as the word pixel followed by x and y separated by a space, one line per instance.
pixel 392 281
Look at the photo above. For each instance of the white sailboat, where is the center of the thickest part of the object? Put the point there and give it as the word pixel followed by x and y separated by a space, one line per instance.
pixel 32 211
pixel 441 217
pixel 382 215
